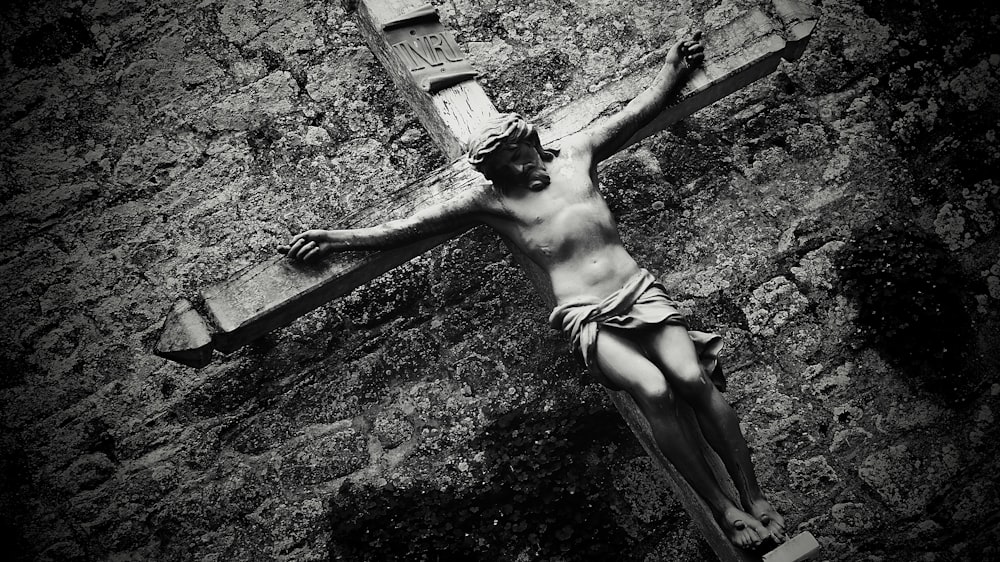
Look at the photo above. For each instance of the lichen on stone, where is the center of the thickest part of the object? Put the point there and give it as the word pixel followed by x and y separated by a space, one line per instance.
pixel 772 305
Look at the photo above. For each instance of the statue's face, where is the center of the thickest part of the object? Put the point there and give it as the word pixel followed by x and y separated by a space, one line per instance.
pixel 518 164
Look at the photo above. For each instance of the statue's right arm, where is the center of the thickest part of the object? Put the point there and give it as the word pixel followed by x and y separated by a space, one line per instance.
pixel 610 135
pixel 450 215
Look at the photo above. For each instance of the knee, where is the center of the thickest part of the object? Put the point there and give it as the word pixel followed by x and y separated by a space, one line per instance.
pixel 692 384
pixel 655 393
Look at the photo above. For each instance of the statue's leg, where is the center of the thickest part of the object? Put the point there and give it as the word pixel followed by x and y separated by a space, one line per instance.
pixel 672 350
pixel 626 367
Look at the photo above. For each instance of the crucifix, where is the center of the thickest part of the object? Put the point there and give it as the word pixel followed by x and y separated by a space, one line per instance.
pixel 434 76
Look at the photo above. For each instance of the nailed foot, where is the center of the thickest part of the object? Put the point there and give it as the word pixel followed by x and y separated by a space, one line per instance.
pixel 769 517
pixel 743 529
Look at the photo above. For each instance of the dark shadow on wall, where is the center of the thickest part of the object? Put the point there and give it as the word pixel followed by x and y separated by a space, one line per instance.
pixel 545 489
pixel 914 306
pixel 51 42
pixel 15 497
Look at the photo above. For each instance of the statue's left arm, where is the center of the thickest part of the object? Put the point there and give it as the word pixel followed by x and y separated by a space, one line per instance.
pixel 608 137
pixel 465 209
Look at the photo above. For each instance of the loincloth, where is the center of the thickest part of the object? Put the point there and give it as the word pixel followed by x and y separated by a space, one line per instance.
pixel 641 303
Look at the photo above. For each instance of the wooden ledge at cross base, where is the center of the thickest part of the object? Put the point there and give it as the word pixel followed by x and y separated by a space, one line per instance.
pixel 273 294
pixel 802 546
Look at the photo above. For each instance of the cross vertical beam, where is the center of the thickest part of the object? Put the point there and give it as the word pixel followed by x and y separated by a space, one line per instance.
pixel 433 75
pixel 427 66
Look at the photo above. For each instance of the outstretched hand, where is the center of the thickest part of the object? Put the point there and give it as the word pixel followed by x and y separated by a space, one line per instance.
pixel 309 246
pixel 687 53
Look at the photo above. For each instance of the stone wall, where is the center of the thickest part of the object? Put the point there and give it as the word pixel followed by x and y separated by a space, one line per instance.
pixel 836 221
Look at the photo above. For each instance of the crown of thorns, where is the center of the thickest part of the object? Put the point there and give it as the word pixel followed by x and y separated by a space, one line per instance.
pixel 503 129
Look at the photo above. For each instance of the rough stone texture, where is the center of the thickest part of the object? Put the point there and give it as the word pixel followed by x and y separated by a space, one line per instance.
pixel 837 221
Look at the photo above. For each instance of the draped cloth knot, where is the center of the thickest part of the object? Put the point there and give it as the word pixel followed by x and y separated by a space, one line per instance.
pixel 641 303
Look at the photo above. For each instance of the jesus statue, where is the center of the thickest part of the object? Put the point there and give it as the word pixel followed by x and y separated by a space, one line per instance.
pixel 617 315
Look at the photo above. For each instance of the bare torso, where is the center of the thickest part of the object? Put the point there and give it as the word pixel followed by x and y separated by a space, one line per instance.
pixel 568 230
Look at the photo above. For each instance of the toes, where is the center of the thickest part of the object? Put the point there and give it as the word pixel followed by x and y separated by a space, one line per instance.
pixel 773 527
pixel 746 535
pixel 761 532
pixel 778 532
pixel 744 530
pixel 773 522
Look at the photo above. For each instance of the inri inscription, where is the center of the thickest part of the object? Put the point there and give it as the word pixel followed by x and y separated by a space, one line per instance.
pixel 435 49
pixel 427 50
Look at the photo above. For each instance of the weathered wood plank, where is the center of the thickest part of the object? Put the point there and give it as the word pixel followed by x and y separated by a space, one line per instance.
pixel 186 337
pixel 743 51
pixel 799 20
pixel 274 293
pixel 239 320
pixel 419 49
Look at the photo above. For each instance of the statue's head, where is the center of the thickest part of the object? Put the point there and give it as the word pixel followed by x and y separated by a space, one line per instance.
pixel 507 151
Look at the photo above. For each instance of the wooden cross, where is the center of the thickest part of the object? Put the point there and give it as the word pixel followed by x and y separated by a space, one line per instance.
pixel 434 76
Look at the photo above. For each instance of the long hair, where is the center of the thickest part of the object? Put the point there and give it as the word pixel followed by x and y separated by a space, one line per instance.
pixel 503 129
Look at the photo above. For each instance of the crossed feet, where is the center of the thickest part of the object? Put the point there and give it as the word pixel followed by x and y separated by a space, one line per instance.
pixel 749 529
pixel 770 518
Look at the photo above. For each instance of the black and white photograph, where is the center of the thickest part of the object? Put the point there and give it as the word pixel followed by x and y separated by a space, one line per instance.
pixel 500 280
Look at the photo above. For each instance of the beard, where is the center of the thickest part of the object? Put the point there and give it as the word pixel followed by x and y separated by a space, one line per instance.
pixel 537 179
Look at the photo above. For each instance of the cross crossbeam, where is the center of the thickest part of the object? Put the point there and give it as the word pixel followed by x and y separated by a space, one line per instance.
pixel 276 292
pixel 433 75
